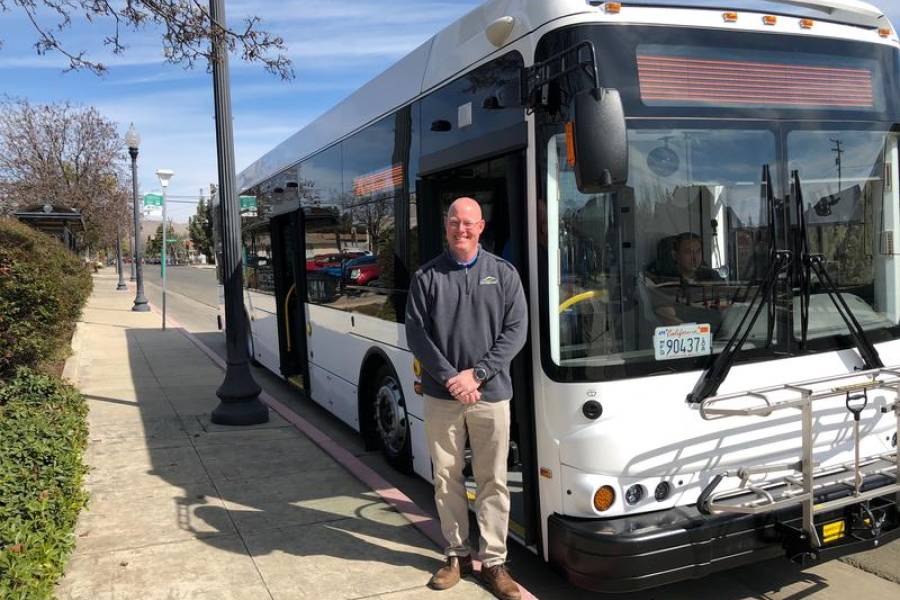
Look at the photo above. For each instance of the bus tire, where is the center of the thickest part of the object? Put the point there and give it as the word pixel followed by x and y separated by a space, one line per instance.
pixel 391 420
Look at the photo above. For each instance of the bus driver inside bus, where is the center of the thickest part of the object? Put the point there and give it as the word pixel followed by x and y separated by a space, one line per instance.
pixel 681 288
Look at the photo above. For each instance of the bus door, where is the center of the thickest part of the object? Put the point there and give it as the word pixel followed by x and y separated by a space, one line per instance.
pixel 499 186
pixel 288 249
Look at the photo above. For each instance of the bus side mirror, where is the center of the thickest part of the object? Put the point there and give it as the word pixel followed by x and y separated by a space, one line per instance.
pixel 601 140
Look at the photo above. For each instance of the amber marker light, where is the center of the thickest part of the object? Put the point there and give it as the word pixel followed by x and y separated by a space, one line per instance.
pixel 604 498
pixel 807 23
pixel 770 20
pixel 613 8
pixel 884 32
pixel 730 17
pixel 570 143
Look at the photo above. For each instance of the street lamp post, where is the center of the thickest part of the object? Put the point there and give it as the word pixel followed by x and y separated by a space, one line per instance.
pixel 131 246
pixel 239 392
pixel 164 176
pixel 133 139
pixel 121 285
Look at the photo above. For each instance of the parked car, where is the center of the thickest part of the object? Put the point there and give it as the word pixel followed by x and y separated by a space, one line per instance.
pixel 331 259
pixel 363 270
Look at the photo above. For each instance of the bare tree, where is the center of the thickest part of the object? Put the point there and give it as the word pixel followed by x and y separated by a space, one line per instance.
pixel 64 155
pixel 186 24
pixel 374 212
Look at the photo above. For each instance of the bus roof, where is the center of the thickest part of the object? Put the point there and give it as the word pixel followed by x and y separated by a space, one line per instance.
pixel 463 44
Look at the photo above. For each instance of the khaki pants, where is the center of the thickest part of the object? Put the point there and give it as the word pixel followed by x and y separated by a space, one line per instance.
pixel 447 424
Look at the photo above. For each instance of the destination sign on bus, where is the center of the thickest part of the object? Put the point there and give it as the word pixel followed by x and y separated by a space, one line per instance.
pixel 680 76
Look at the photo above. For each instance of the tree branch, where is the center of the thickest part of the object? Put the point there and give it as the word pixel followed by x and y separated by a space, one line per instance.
pixel 187 32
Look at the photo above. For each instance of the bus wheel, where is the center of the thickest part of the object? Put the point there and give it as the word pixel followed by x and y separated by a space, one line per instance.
pixel 391 421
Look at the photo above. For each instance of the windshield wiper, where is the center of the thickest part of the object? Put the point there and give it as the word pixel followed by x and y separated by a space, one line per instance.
pixel 779 261
pixel 815 263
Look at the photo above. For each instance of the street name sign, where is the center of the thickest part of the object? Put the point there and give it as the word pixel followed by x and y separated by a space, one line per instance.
pixel 248 206
pixel 153 204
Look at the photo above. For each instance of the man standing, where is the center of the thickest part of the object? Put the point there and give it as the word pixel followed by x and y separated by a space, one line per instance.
pixel 466 319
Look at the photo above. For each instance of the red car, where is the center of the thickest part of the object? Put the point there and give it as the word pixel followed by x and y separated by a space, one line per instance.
pixel 331 259
pixel 362 270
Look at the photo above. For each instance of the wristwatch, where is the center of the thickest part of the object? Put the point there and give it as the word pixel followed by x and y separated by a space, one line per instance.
pixel 480 374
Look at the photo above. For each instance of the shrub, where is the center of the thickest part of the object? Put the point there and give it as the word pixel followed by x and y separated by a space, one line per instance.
pixel 43 288
pixel 43 432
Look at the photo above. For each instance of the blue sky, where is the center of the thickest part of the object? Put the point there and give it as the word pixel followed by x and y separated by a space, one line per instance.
pixel 336 45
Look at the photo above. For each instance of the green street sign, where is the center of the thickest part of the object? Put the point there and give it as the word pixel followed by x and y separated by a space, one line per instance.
pixel 153 200
pixel 171 241
pixel 247 202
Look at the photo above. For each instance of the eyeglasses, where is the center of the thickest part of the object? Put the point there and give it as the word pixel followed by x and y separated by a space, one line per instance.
pixel 457 224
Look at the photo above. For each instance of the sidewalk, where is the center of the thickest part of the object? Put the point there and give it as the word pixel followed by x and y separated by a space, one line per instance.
pixel 182 509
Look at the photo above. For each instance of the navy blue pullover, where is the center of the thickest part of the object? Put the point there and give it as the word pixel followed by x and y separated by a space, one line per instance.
pixel 460 317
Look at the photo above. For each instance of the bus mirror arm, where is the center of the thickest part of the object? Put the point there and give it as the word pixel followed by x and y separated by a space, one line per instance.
pixel 601 140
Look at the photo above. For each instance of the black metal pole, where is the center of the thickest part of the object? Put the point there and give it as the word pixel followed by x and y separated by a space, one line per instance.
pixel 140 300
pixel 131 245
pixel 239 393
pixel 121 285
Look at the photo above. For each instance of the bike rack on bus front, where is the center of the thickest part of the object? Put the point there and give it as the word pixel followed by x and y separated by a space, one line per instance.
pixel 805 479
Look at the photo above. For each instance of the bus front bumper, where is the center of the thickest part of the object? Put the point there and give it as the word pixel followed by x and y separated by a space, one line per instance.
pixel 654 549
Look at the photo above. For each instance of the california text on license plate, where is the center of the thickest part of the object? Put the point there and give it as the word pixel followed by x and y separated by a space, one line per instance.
pixel 682 341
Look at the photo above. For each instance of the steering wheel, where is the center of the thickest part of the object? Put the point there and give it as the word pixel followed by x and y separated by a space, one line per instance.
pixel 601 295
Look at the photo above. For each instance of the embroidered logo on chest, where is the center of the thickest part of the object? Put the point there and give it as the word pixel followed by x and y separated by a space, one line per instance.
pixel 489 280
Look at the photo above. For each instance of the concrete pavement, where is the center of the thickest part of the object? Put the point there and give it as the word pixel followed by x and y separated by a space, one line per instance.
pixel 182 509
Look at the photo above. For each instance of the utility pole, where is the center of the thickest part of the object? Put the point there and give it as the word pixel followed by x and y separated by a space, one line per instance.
pixel 838 153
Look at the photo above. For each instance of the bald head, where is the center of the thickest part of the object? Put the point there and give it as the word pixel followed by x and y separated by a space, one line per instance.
pixel 463 228
pixel 465 206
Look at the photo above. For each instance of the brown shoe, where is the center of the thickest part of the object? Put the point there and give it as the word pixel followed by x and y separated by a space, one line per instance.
pixel 448 575
pixel 500 583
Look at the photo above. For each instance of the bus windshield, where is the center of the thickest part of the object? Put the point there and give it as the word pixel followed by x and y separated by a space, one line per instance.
pixel 663 270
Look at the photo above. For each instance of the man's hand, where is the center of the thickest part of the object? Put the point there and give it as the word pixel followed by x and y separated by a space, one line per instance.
pixel 464 388
pixel 470 398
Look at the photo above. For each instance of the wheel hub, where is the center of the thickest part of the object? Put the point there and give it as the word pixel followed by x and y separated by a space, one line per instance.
pixel 390 415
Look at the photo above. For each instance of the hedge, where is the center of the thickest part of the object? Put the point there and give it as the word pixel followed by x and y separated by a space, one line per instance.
pixel 43 287
pixel 43 431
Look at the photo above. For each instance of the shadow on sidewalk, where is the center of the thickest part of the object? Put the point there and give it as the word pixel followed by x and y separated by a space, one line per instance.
pixel 265 490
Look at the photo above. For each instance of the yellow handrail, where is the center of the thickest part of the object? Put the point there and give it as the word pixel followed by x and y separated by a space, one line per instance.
pixel 602 295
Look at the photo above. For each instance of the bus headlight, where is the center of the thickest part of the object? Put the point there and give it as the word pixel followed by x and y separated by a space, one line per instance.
pixel 662 491
pixel 604 498
pixel 634 494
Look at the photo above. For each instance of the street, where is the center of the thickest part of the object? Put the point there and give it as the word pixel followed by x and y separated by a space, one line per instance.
pixel 191 301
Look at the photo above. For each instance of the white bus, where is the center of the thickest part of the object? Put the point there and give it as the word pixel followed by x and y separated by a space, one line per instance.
pixel 703 204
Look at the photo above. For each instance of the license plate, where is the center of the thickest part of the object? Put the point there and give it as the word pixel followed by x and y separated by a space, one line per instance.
pixel 682 341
